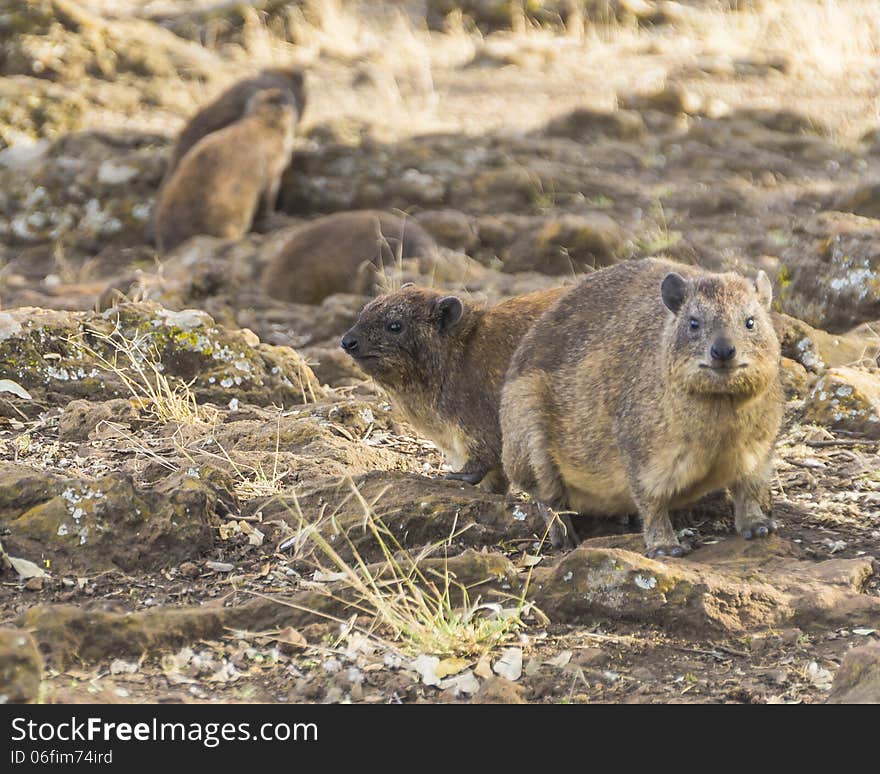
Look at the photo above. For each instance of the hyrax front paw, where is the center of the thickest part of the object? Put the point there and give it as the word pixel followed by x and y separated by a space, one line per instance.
pixel 673 551
pixel 758 529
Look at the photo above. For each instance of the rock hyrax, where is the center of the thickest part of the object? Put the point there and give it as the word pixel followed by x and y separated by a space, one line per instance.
pixel 225 177
pixel 231 105
pixel 342 253
pixel 646 387
pixel 443 359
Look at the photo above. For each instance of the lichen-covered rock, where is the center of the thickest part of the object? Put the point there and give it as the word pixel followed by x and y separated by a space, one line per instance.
pixel 105 523
pixel 61 40
pixel 817 350
pixel 451 228
pixel 669 99
pixel 795 378
pixel 857 681
pixel 90 189
pixel 427 511
pixel 34 109
pixel 62 355
pixel 567 245
pixel 846 399
pixel 831 273
pixel 20 667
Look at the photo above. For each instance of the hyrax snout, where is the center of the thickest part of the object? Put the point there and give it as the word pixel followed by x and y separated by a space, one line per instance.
pixel 442 359
pixel 646 387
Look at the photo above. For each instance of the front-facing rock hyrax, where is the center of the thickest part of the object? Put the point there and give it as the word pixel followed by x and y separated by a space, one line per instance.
pixel 646 387
pixel 231 105
pixel 343 253
pixel 225 177
pixel 443 359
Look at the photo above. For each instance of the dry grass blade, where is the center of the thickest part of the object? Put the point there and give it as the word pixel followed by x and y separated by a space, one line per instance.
pixel 424 611
pixel 136 362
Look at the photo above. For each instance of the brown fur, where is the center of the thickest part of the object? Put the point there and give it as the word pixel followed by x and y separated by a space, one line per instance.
pixel 445 374
pixel 231 105
pixel 225 177
pixel 606 410
pixel 341 254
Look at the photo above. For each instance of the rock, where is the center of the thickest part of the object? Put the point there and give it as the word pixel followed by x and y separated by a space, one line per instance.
pixel 61 40
pixel 567 245
pixel 795 379
pixel 451 228
pixel 846 399
pixel 831 273
pixel 21 667
pixel 59 356
pixel 817 350
pixel 80 418
pixel 863 200
pixel 426 510
pixel 33 109
pixel 732 586
pixel 670 99
pixel 587 125
pixel 106 523
pixel 857 681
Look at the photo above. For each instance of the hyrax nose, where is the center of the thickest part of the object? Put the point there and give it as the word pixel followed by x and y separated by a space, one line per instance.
pixel 722 351
pixel 349 343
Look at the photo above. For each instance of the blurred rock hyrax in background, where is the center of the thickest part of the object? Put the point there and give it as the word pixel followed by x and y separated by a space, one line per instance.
pixel 343 253
pixel 443 359
pixel 225 177
pixel 646 387
pixel 231 105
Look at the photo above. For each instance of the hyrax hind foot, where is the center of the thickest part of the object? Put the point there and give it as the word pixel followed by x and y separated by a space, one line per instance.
pixel 674 550
pixel 759 529
pixel 560 530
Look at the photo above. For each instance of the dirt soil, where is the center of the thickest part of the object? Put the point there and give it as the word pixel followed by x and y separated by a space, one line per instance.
pixel 183 556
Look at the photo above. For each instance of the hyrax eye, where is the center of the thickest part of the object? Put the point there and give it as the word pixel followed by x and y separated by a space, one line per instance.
pixel 694 323
pixel 750 323
pixel 394 327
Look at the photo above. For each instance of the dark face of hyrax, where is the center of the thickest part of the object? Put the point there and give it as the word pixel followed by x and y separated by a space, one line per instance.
pixel 721 340
pixel 274 102
pixel 399 338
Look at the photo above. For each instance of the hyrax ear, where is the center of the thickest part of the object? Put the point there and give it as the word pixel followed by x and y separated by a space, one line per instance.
pixel 764 288
pixel 673 290
pixel 449 310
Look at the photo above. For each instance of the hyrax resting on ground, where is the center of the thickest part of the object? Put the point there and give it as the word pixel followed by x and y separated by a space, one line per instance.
pixel 225 177
pixel 647 386
pixel 443 359
pixel 231 105
pixel 342 253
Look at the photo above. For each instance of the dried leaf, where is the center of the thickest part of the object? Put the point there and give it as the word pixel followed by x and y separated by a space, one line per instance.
pixel 559 660
pixel 510 664
pixel 450 666
pixel 120 667
pixel 426 666
pixel 463 683
pixel 290 637
pixel 220 566
pixel 864 632
pixel 27 569
pixel 7 385
pixel 484 667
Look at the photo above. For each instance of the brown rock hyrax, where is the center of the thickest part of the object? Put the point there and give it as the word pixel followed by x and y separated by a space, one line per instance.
pixel 443 359
pixel 646 387
pixel 225 177
pixel 231 105
pixel 343 253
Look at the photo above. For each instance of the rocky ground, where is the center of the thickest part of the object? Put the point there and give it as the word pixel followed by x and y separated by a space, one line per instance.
pixel 202 499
